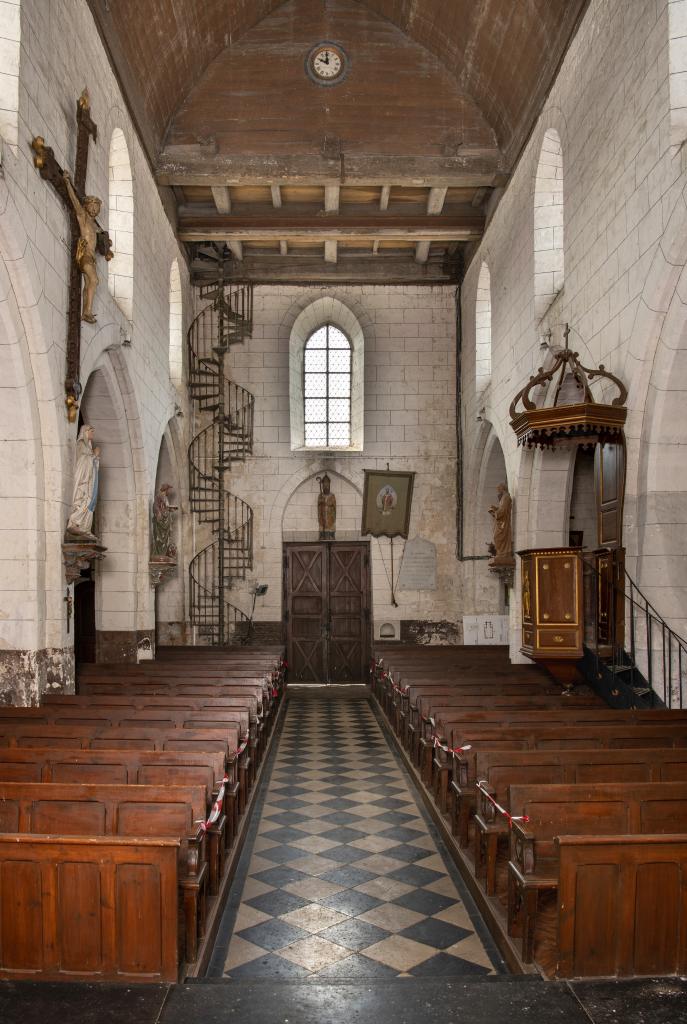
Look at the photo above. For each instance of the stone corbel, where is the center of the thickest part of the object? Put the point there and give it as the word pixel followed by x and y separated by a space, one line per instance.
pixel 160 567
pixel 78 555
pixel 504 568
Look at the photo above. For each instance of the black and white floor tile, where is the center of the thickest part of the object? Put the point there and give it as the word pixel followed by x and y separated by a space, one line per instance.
pixel 346 877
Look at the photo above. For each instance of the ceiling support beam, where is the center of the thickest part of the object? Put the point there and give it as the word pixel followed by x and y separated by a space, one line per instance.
pixel 422 252
pixel 276 196
pixel 298 268
pixel 236 249
pixel 435 201
pixel 222 197
pixel 384 197
pixel 458 226
pixel 375 247
pixel 331 253
pixel 283 248
pixel 331 198
pixel 193 165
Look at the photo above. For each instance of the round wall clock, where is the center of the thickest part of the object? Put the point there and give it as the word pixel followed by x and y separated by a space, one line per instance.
pixel 326 63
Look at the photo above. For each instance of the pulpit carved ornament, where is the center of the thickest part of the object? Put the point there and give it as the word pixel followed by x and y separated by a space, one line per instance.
pixel 574 416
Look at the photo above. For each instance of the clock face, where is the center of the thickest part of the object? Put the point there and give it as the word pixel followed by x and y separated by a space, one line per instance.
pixel 326 64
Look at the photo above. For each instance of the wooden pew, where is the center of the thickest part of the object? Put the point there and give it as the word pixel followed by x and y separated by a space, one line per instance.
pixel 628 892
pixel 91 908
pixel 135 811
pixel 442 763
pixel 498 770
pixel 132 767
pixel 551 811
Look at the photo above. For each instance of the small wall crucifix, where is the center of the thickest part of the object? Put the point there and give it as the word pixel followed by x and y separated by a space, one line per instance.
pixel 87 239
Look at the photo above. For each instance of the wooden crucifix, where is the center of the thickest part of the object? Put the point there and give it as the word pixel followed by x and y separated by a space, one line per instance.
pixel 87 239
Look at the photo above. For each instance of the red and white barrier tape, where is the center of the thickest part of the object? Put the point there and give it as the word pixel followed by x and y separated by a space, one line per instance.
pixel 241 748
pixel 502 810
pixel 450 750
pixel 216 807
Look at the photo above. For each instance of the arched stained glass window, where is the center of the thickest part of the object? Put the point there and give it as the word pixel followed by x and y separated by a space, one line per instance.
pixel 327 389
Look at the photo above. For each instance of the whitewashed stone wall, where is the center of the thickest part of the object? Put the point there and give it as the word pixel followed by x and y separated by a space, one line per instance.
pixel 625 242
pixel 60 53
pixel 409 422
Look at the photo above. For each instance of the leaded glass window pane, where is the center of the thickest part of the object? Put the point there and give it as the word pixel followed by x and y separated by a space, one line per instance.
pixel 327 389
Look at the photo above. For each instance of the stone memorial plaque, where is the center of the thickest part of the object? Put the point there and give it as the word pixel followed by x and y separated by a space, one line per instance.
pixel 419 566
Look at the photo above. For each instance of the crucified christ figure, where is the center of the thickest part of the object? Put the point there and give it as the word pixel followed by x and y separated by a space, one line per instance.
pixel 86 214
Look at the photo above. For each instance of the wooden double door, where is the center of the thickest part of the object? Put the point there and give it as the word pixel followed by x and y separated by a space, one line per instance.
pixel 327 611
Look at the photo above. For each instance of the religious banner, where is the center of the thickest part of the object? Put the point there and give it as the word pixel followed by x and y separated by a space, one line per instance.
pixel 387 498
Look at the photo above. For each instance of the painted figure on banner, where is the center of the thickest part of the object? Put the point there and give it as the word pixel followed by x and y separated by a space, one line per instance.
pixel 86 214
pixel 326 509
pixel 85 492
pixel 503 530
pixel 387 500
pixel 163 518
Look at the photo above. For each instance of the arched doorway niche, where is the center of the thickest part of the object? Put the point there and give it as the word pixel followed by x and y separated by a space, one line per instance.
pixel 115 521
pixel 583 530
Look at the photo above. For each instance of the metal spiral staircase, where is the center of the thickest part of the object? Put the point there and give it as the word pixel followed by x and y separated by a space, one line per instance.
pixel 227 438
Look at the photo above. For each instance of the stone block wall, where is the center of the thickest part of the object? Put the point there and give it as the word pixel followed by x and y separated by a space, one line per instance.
pixel 623 289
pixel 59 53
pixel 409 423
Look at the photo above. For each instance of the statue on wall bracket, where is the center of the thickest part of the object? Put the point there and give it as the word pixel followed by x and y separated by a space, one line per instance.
pixel 86 239
pixel 502 562
pixel 326 509
pixel 81 546
pixel 163 555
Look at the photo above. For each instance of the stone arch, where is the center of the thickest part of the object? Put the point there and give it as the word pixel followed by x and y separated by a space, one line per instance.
pixel 296 327
pixel 176 333
pixel 33 416
pixel 492 473
pixel 118 522
pixel 548 243
pixel 120 278
pixel 22 527
pixel 483 330
pixel 656 375
pixel 301 503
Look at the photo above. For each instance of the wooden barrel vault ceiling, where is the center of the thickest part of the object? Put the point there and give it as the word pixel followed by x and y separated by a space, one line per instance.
pixel 385 176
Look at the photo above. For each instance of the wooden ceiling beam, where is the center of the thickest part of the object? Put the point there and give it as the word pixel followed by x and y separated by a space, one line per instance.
pixel 331 251
pixel 283 247
pixel 276 196
pixel 384 197
pixel 422 251
pixel 236 248
pixel 435 201
pixel 356 269
pixel 461 226
pixel 196 165
pixel 332 195
pixel 222 197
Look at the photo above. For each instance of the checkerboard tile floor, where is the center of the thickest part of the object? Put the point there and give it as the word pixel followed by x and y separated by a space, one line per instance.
pixel 344 879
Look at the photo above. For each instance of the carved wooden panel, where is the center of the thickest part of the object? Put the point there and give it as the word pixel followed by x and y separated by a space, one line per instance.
pixel 326 600
pixel 552 611
pixel 88 909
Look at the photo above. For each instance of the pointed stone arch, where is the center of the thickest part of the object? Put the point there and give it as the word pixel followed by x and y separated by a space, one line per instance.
pixel 483 330
pixel 176 325
pixel 549 257
pixel 120 277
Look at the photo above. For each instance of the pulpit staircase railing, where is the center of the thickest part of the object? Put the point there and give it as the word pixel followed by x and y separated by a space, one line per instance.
pixel 634 656
pixel 227 439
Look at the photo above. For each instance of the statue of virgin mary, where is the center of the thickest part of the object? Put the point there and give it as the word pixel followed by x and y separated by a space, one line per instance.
pixel 85 494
